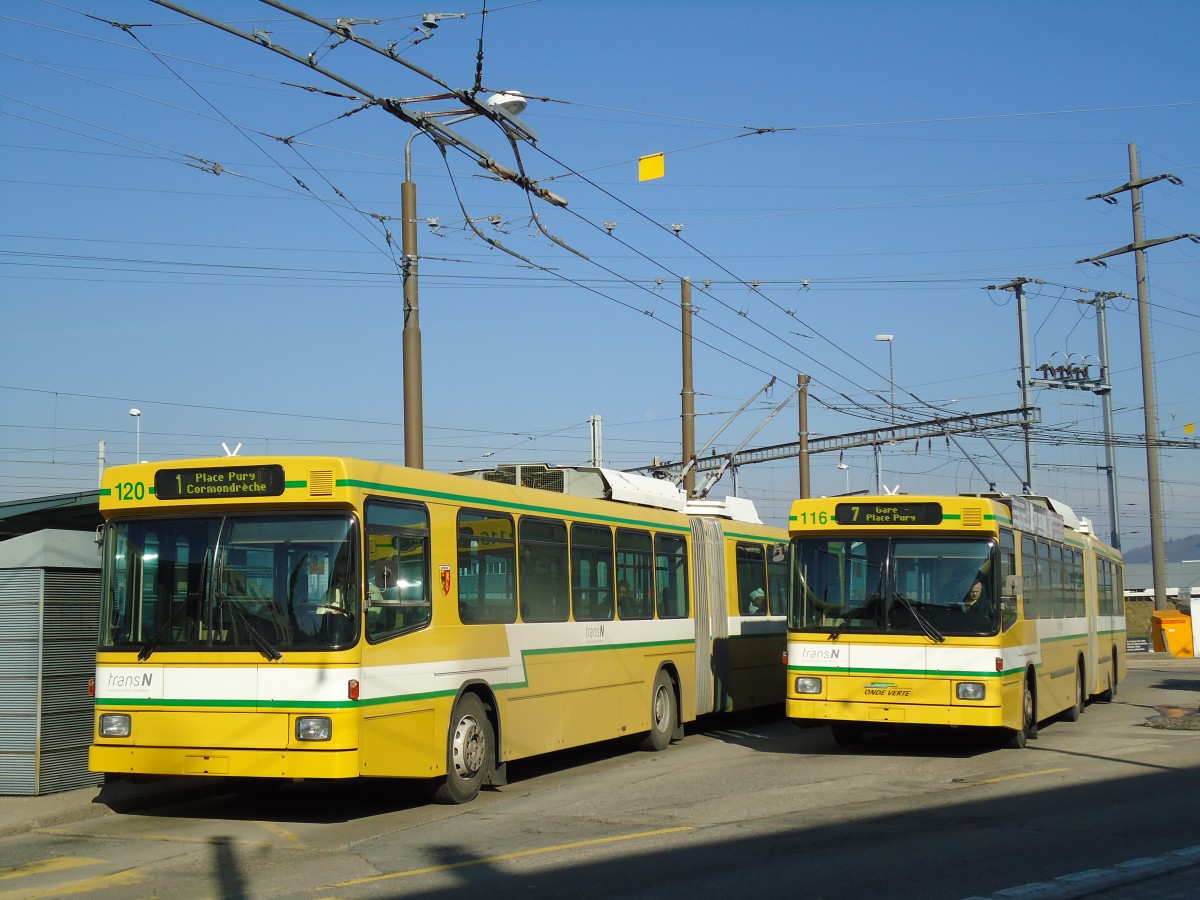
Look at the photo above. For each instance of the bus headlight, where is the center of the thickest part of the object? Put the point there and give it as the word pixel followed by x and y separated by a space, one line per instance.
pixel 314 728
pixel 115 725
pixel 970 690
pixel 808 684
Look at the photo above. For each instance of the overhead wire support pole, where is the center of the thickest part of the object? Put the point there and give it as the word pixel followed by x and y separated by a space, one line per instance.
pixel 688 393
pixel 1017 286
pixel 1138 247
pixel 805 474
pixel 1104 389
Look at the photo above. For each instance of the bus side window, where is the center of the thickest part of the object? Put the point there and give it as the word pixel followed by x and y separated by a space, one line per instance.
pixel 543 584
pixel 635 574
pixel 671 575
pixel 592 587
pixel 487 564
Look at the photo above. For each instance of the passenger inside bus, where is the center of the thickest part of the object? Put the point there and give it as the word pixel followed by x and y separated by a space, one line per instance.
pixel 625 607
pixel 757 603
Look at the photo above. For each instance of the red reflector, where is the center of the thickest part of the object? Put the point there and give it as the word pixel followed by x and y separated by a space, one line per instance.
pixel 92 687
pixel 999 664
pixel 785 659
pixel 352 688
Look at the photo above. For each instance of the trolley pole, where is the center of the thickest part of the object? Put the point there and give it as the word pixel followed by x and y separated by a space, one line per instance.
pixel 1139 247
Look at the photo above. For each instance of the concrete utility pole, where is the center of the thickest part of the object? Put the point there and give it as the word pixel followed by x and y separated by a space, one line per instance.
pixel 596 423
pixel 1138 247
pixel 1104 389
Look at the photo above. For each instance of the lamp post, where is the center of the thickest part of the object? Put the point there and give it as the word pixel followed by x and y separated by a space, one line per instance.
pixel 512 104
pixel 845 468
pixel 137 418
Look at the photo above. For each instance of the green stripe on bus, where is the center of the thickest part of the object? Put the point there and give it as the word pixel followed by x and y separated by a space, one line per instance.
pixel 245 705
pixel 303 705
pixel 422 493
pixel 874 672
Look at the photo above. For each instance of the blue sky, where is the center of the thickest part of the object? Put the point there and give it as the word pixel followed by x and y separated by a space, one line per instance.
pixel 839 170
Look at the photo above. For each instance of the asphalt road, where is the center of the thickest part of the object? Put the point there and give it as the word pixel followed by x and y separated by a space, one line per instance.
pixel 743 806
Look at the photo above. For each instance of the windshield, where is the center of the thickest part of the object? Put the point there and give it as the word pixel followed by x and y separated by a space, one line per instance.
pixel 898 585
pixel 263 583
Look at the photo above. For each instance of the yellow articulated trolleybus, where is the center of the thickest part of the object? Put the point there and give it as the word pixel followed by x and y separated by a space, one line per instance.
pixel 986 611
pixel 279 618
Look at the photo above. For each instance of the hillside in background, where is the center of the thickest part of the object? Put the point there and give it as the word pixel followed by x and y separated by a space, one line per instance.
pixel 1176 551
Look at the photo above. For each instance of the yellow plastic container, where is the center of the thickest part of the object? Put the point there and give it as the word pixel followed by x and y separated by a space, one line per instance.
pixel 1172 633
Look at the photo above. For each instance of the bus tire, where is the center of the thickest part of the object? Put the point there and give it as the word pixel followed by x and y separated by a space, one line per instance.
pixel 1018 739
pixel 470 749
pixel 1075 710
pixel 664 714
pixel 846 734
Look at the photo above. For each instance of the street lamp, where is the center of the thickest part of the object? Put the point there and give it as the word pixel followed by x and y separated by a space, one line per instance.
pixel 509 103
pixel 137 418
pixel 845 468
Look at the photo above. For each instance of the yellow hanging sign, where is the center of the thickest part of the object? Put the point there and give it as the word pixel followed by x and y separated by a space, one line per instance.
pixel 652 166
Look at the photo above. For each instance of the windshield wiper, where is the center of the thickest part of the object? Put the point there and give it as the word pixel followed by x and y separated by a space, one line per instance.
pixel 925 625
pixel 837 631
pixel 261 644
pixel 157 638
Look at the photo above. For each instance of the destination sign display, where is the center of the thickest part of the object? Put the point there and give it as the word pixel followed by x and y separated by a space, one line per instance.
pixel 218 482
pixel 888 513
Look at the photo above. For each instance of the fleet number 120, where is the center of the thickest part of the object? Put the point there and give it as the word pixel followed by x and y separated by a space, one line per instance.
pixel 131 490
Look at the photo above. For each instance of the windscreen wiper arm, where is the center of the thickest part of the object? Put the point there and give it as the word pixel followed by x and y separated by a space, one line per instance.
pixel 837 631
pixel 261 644
pixel 157 638
pixel 925 625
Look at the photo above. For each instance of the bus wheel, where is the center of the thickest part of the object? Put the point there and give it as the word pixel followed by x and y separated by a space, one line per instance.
pixel 1028 729
pixel 664 716
pixel 469 752
pixel 1075 710
pixel 846 734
